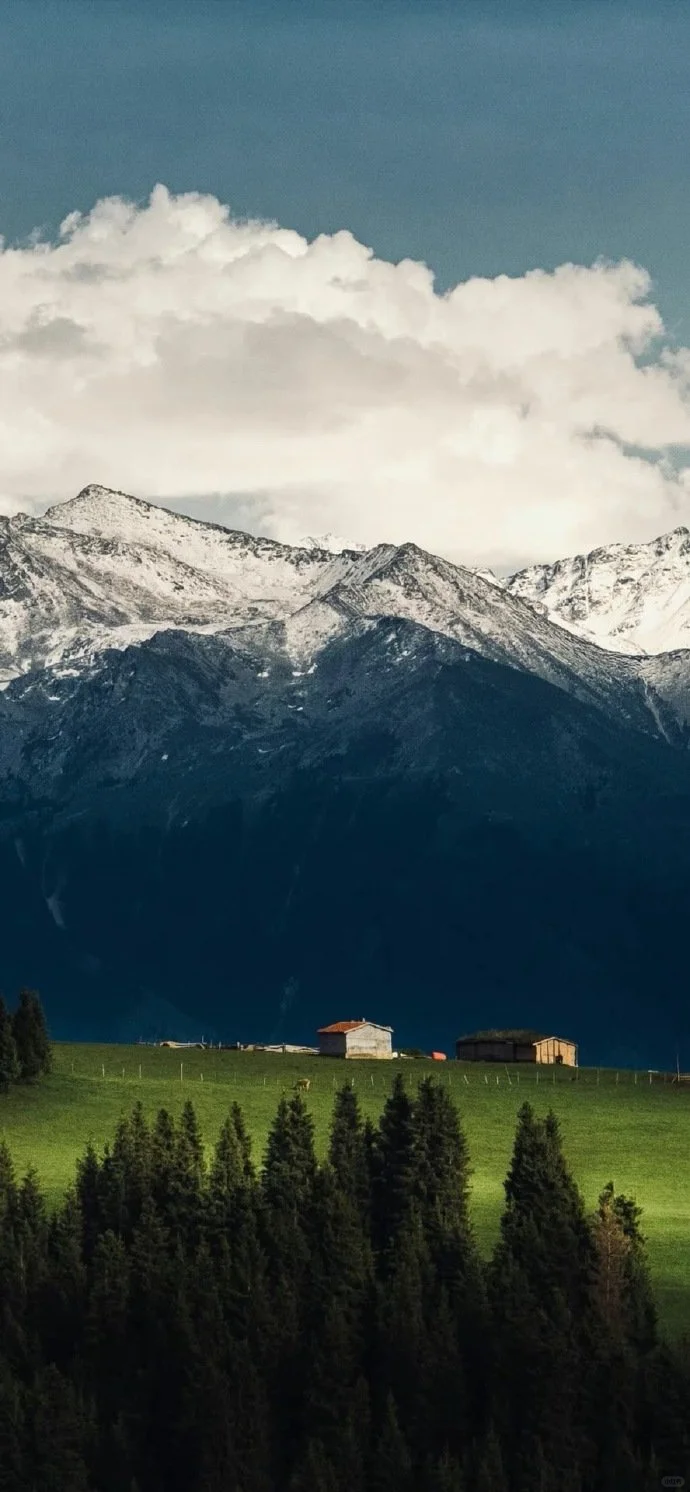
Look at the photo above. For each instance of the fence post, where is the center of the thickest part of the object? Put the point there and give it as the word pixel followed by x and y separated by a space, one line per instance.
pixel 103 1068
pixel 140 1072
pixel 181 1067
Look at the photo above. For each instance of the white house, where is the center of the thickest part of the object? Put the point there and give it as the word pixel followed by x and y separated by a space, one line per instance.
pixel 355 1039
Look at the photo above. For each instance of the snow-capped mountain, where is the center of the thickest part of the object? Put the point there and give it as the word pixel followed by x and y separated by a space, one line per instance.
pixel 108 570
pixel 629 598
pixel 229 767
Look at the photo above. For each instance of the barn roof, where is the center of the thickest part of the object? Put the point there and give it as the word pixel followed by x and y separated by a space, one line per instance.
pixel 341 1026
pixel 517 1035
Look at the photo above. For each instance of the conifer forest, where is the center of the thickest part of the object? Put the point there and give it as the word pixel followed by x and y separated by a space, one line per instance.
pixel 208 1326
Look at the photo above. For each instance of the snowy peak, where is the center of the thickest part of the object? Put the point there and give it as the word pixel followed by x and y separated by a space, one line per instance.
pixel 629 598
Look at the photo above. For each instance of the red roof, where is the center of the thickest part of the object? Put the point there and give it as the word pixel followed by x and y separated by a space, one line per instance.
pixel 340 1026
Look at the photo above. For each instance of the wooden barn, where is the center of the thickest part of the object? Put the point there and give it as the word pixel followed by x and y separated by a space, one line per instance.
pixel 516 1046
pixel 356 1039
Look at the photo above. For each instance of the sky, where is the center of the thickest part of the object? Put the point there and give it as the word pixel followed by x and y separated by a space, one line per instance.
pixel 391 271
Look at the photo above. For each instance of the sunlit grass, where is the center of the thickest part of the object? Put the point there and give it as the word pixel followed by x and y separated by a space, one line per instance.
pixel 630 1131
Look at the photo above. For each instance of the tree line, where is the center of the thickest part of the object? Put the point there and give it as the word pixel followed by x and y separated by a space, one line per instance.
pixel 193 1323
pixel 25 1050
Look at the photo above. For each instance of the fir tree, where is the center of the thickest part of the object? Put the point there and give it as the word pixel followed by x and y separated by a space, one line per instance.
pixel 88 1189
pixel 287 1195
pixel 392 1159
pixel 316 1471
pixel 31 1037
pixel 9 1060
pixel 290 1165
pixel 62 1305
pixel 244 1142
pixel 9 1195
pixel 391 1464
pixel 58 1435
pixel 347 1151
pixel 12 1433
pixel 540 1280
pixel 489 1473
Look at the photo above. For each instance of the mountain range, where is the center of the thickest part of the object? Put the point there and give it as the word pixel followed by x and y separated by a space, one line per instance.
pixel 246 789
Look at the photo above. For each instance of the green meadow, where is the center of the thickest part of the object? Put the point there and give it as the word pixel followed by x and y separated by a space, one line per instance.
pixel 618 1127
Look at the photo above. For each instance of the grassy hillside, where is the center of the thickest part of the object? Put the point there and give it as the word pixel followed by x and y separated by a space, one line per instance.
pixel 629 1130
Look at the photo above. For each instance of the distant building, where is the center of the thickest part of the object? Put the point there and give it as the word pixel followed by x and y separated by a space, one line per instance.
pixel 355 1039
pixel 516 1046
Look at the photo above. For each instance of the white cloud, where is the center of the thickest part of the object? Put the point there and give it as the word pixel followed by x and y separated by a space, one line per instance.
pixel 298 387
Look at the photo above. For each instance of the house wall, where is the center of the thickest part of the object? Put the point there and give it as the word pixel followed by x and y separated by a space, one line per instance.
pixel 332 1043
pixel 485 1051
pixel 369 1041
pixel 525 1051
pixel 550 1049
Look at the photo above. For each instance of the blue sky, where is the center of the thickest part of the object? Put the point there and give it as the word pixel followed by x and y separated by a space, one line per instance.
pixel 481 138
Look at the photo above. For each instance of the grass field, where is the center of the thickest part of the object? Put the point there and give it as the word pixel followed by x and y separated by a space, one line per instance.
pixel 615 1127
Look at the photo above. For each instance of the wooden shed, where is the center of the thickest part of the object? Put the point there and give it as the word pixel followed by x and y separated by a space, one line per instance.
pixel 356 1039
pixel 516 1046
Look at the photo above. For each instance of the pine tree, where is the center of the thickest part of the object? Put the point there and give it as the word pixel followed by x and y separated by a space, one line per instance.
pixel 337 1328
pixel 244 1142
pixel 9 1195
pixel 315 1471
pixel 391 1464
pixel 443 1474
pixel 540 1284
pixel 31 1037
pixel 393 1173
pixel 347 1151
pixel 12 1433
pixel 290 1165
pixel 9 1060
pixel 457 1307
pixel 403 1347
pixel 63 1297
pixel 489 1475
pixel 88 1189
pixel 441 1163
pixel 58 1436
pixel 287 1200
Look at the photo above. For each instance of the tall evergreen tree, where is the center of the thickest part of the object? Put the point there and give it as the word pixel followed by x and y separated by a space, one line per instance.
pixel 391 1463
pixel 540 1284
pixel 392 1157
pixel 337 1319
pixel 62 1306
pixel 59 1429
pixel 9 1060
pixel 31 1037
pixel 347 1151
pixel 287 1201
pixel 88 1190
pixel 12 1433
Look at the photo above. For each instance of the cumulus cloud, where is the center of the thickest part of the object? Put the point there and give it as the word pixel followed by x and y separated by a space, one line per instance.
pixel 297 387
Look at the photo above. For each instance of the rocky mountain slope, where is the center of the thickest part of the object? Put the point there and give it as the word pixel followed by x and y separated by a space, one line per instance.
pixel 629 598
pixel 239 782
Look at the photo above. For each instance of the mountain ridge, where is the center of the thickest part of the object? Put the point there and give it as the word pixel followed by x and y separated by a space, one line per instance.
pixel 241 780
